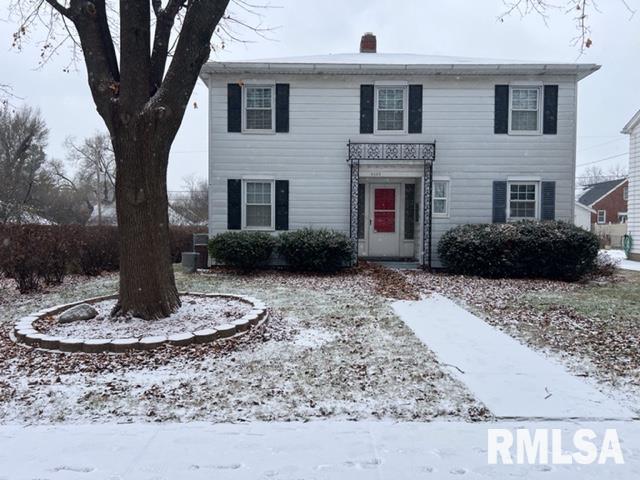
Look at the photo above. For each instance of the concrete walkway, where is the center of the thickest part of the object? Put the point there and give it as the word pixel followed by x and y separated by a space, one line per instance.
pixel 311 451
pixel 512 380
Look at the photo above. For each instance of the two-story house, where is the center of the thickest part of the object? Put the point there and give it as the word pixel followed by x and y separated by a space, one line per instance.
pixel 392 149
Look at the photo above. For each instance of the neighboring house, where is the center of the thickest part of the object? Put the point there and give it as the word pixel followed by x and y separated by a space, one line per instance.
pixel 108 216
pixel 392 149
pixel 608 200
pixel 582 216
pixel 633 130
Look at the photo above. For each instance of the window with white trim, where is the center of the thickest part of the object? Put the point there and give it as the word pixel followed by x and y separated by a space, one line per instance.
pixel 602 216
pixel 523 201
pixel 622 217
pixel 440 198
pixel 524 111
pixel 391 109
pixel 259 108
pixel 625 193
pixel 258 204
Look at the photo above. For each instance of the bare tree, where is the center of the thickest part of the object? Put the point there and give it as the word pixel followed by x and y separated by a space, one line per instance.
pixel 581 10
pixel 618 170
pixel 593 174
pixel 23 138
pixel 96 165
pixel 192 202
pixel 141 94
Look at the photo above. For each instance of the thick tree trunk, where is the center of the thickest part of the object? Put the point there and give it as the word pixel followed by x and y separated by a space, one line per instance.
pixel 147 283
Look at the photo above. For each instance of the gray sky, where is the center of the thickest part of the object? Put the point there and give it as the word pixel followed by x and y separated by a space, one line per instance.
pixel 607 99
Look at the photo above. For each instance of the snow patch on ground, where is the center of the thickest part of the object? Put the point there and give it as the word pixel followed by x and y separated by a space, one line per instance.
pixel 196 313
pixel 621 257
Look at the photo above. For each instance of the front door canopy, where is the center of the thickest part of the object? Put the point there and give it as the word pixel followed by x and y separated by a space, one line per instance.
pixel 359 151
pixel 425 153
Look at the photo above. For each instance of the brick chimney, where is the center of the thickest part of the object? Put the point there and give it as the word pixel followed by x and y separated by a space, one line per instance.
pixel 368 43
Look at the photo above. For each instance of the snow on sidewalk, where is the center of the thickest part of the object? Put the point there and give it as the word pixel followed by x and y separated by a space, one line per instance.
pixel 620 256
pixel 319 450
pixel 512 380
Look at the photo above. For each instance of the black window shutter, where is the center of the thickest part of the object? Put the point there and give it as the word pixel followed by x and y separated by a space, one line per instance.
pixel 499 202
pixel 234 204
pixel 282 204
pixel 361 203
pixel 548 204
pixel 234 107
pixel 366 108
pixel 415 108
pixel 550 119
pixel 501 112
pixel 282 107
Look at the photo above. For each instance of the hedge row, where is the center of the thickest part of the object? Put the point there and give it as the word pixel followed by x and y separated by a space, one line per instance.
pixel 317 250
pixel 34 255
pixel 555 250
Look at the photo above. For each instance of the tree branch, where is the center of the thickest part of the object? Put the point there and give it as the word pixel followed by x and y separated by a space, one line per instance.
pixel 60 8
pixel 192 51
pixel 162 37
pixel 135 63
pixel 92 24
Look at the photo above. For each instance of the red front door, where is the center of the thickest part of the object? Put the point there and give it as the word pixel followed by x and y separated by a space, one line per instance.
pixel 384 239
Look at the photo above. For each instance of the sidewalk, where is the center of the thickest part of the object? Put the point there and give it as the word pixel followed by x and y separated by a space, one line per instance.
pixel 512 380
pixel 315 450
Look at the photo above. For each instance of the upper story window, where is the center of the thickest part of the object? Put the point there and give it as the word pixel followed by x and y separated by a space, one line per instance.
pixel 625 194
pixel 259 111
pixel 523 200
pixel 258 204
pixel 391 109
pixel 440 198
pixel 524 111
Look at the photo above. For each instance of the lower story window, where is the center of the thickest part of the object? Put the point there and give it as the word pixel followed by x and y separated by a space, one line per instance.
pixel 440 198
pixel 622 217
pixel 523 201
pixel 602 216
pixel 258 208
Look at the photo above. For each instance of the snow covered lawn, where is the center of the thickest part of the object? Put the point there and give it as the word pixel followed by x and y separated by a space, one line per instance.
pixel 332 348
pixel 593 328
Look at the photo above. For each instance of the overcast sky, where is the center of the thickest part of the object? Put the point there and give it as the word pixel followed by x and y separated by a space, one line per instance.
pixel 607 99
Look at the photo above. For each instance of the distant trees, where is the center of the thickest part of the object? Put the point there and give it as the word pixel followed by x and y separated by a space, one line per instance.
pixel 193 202
pixel 38 189
pixel 95 171
pixel 595 174
pixel 23 138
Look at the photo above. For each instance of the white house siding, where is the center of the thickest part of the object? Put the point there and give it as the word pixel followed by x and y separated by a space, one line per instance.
pixel 582 217
pixel 633 224
pixel 458 113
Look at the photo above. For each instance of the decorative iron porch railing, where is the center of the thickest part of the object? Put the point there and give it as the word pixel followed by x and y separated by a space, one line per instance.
pixel 393 151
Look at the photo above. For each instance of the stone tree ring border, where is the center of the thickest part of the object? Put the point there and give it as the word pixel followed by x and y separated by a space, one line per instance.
pixel 25 333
